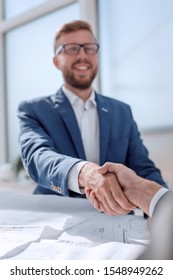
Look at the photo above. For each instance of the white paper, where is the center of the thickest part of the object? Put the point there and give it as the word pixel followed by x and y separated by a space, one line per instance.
pixel 49 222
pixel 70 250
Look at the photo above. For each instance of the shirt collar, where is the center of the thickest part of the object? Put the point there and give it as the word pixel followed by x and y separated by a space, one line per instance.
pixel 72 97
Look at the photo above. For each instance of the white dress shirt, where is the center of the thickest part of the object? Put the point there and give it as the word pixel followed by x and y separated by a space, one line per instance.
pixel 87 119
pixel 155 199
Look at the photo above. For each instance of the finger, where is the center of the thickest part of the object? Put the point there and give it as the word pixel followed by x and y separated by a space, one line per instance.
pixel 111 196
pixel 110 205
pixel 90 195
pixel 96 204
pixel 110 213
pixel 87 192
pixel 109 167
pixel 102 209
pixel 94 200
pixel 99 205
pixel 103 169
pixel 121 199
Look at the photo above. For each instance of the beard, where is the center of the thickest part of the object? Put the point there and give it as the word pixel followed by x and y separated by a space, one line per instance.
pixel 81 83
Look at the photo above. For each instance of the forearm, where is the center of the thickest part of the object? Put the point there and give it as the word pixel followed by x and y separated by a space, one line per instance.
pixel 141 193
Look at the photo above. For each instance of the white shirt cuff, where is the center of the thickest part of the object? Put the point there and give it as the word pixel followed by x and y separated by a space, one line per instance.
pixel 155 199
pixel 73 177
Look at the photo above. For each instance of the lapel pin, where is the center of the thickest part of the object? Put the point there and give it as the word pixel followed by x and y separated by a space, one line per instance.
pixel 105 110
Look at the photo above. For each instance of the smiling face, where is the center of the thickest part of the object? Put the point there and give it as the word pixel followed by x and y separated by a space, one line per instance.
pixel 78 70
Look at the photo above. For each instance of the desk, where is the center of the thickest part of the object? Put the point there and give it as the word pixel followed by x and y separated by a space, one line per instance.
pixel 25 187
pixel 53 227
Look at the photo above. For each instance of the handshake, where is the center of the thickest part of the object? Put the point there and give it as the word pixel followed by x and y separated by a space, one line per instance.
pixel 116 189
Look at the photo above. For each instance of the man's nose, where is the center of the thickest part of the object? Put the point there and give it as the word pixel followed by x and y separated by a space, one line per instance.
pixel 82 52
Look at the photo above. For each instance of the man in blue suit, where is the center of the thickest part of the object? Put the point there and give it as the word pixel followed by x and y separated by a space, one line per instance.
pixel 65 137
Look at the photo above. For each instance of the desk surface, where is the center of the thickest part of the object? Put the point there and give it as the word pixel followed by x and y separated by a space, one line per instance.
pixel 25 187
pixel 54 227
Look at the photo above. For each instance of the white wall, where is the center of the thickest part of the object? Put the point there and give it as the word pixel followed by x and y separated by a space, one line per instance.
pixel 137 58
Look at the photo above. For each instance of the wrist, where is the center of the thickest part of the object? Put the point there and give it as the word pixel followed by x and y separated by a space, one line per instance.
pixel 145 191
pixel 84 172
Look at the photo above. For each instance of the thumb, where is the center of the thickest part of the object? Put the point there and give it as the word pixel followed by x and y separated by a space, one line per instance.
pixel 103 169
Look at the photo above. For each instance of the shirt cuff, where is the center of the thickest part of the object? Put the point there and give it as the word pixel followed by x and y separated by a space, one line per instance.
pixel 73 177
pixel 155 199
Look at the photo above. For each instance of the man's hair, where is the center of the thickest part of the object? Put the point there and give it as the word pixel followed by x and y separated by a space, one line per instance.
pixel 72 27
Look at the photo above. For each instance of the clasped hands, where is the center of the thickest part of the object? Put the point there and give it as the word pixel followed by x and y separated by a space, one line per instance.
pixel 116 189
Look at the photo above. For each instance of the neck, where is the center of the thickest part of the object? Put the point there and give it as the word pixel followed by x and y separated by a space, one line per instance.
pixel 84 94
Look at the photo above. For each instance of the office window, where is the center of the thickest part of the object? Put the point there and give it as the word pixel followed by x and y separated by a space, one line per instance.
pixel 136 57
pixel 29 65
pixel 14 8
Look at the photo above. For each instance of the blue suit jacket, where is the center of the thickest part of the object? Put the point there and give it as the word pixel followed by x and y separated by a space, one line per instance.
pixel 51 142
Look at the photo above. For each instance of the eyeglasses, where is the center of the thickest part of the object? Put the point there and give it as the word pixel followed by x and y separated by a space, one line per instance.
pixel 73 49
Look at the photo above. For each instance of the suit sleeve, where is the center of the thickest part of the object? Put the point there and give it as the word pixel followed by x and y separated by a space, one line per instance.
pixel 48 168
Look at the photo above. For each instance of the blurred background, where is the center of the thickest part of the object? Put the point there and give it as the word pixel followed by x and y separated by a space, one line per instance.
pixel 136 64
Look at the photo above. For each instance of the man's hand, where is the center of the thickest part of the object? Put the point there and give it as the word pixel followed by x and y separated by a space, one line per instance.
pixel 105 189
pixel 138 191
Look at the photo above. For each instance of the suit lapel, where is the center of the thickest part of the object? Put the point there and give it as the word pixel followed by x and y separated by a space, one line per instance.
pixel 104 112
pixel 69 118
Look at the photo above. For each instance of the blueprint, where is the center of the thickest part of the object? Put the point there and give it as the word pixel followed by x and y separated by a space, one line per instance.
pixel 54 227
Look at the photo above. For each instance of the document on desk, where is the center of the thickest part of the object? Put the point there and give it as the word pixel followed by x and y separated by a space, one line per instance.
pixel 79 250
pixel 39 227
pixel 15 239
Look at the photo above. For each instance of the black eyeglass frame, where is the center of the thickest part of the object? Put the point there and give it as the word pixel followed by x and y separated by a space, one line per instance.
pixel 60 48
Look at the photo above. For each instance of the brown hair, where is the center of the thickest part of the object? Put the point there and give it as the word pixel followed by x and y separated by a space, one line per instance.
pixel 72 27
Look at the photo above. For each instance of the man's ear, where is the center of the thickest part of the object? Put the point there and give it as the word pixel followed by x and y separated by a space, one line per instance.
pixel 56 62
